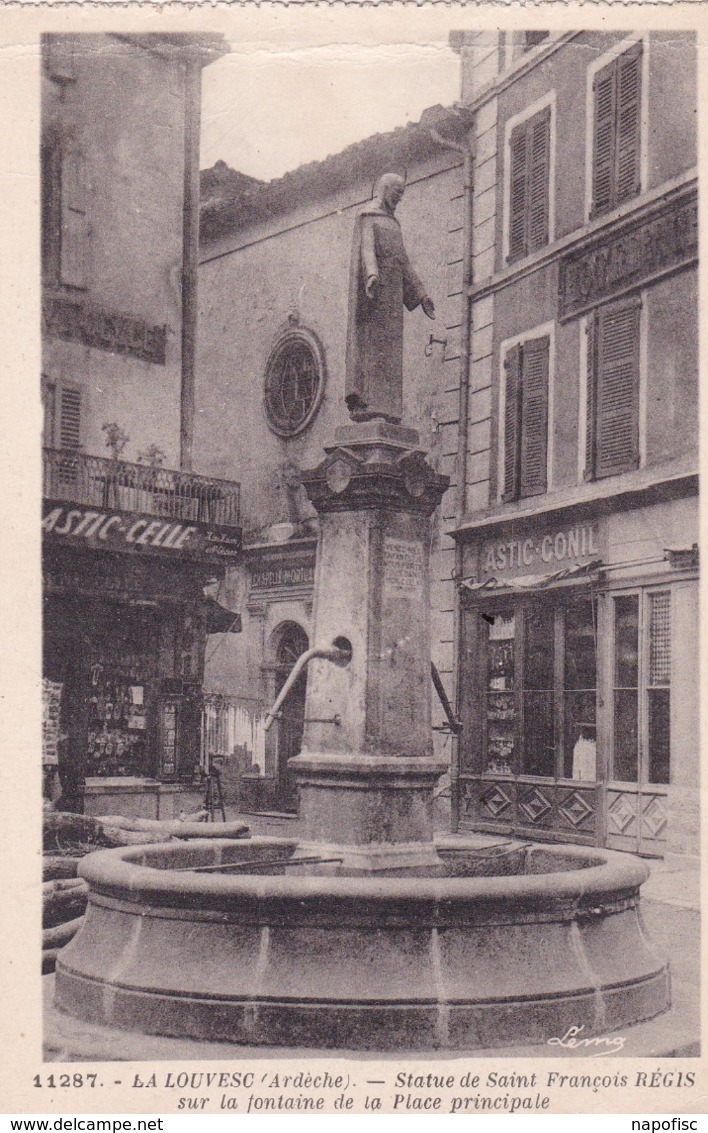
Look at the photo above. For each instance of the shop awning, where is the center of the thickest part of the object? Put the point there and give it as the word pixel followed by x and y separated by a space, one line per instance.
pixel 532 581
pixel 219 619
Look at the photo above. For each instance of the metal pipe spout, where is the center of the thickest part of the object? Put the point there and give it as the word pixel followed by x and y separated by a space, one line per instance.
pixel 339 653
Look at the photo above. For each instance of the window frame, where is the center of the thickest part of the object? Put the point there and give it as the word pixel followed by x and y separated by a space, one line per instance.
pixel 544 105
pixel 644 596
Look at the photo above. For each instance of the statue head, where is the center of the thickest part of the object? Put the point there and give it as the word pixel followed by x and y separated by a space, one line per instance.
pixel 388 191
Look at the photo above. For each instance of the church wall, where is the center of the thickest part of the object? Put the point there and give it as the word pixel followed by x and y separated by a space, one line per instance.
pixel 294 271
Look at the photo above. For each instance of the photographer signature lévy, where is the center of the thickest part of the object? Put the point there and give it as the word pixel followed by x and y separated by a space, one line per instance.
pixel 611 1043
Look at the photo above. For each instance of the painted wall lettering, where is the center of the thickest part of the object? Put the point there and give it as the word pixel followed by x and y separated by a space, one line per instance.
pixel 283 576
pixel 541 553
pixel 126 531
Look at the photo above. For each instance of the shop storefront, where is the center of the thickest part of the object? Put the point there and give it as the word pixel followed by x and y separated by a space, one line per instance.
pixel 578 685
pixel 126 623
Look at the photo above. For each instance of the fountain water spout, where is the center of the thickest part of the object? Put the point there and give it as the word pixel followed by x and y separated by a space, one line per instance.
pixel 339 653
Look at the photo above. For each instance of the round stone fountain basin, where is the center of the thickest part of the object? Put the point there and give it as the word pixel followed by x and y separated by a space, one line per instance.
pixel 294 959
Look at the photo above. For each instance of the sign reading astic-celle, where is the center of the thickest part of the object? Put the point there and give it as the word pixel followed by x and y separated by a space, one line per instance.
pixel 133 532
pixel 542 553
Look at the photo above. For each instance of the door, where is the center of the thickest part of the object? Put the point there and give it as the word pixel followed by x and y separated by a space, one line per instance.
pixel 291 718
pixel 639 770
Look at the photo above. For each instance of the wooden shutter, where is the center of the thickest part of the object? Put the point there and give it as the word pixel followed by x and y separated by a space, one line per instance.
pixel 512 423
pixel 49 410
pixel 617 389
pixel 603 158
pixel 617 92
pixel 539 148
pixel 629 78
pixel 517 200
pixel 534 417
pixel 591 401
pixel 69 417
pixel 530 151
pixel 73 266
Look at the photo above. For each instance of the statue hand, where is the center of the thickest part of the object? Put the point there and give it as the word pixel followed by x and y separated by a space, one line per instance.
pixel 428 307
pixel 372 286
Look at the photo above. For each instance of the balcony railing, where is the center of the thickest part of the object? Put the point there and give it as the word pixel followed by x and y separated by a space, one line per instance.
pixel 117 485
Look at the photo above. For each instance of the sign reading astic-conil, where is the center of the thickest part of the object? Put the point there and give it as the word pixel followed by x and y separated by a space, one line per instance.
pixel 541 553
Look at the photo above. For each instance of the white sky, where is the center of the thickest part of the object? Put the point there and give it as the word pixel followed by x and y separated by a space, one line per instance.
pixel 268 109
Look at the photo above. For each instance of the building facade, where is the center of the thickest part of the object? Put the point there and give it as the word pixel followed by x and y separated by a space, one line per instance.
pixel 553 218
pixel 131 536
pixel 577 546
pixel 274 281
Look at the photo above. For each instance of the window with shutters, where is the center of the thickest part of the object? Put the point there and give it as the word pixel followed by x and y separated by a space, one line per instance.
pixel 612 419
pixel 65 220
pixel 642 688
pixel 616 138
pixel 525 421
pixel 62 415
pixel 529 185
pixel 63 430
pixel 69 416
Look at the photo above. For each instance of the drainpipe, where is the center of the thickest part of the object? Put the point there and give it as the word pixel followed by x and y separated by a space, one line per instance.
pixel 467 153
pixel 190 253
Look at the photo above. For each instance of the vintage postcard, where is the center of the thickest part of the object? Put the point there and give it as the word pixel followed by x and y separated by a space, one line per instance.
pixel 351 686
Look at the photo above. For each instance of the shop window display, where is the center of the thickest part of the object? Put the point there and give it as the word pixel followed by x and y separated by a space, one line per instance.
pixel 120 698
pixel 501 713
pixel 541 681
pixel 116 743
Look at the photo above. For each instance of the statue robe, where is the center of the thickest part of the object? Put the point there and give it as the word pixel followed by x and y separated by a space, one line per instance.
pixel 374 369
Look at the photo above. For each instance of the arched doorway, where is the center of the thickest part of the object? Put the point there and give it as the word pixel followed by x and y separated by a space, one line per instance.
pixel 292 643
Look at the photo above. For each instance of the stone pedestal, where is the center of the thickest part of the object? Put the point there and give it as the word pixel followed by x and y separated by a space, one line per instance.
pixel 366 772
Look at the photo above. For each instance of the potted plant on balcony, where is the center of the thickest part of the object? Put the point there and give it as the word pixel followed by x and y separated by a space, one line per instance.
pixel 152 484
pixel 117 490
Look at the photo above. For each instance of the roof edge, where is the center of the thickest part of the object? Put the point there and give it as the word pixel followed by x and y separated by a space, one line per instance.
pixel 361 161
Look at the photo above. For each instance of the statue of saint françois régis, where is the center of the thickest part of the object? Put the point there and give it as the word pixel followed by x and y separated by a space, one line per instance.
pixel 382 282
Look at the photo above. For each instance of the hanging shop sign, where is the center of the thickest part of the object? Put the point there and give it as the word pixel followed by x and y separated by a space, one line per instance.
pixel 648 247
pixel 133 532
pixel 538 552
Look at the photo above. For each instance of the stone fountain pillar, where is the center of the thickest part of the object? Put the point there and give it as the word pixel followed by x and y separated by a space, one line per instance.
pixel 366 772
